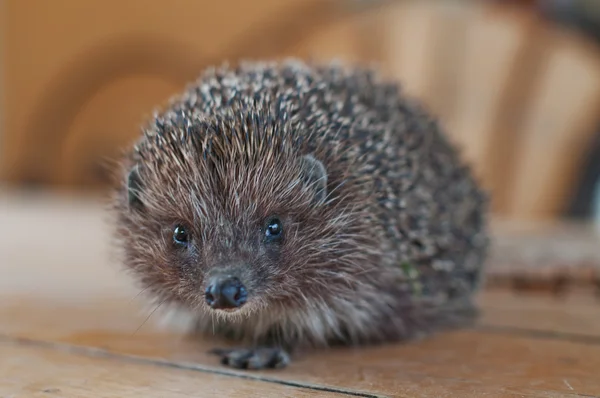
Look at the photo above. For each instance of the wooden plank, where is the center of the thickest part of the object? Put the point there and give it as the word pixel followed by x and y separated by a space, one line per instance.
pixel 427 368
pixel 529 57
pixel 575 314
pixel 462 364
pixel 558 126
pixel 445 87
pixel 494 40
pixel 555 257
pixel 33 371
pixel 411 37
pixel 68 292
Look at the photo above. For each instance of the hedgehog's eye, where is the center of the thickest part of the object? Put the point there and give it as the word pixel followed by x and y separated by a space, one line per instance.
pixel 180 235
pixel 274 229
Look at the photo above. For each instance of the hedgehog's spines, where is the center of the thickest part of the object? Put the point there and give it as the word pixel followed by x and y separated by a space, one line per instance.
pixel 396 191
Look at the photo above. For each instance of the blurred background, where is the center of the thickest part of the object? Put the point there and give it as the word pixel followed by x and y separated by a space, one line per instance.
pixel 516 83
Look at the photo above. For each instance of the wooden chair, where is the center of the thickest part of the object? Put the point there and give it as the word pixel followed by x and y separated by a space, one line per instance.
pixel 521 96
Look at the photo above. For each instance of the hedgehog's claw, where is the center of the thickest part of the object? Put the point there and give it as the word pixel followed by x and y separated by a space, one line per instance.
pixel 253 358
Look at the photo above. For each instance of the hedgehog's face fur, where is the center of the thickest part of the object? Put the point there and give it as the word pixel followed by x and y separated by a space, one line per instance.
pixel 193 210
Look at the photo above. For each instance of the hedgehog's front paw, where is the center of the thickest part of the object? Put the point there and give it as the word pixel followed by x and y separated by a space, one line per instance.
pixel 253 358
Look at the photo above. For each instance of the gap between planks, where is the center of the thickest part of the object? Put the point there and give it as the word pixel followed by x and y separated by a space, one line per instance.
pixel 102 353
pixel 106 354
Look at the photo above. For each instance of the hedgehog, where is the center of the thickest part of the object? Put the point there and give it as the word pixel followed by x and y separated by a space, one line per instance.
pixel 288 206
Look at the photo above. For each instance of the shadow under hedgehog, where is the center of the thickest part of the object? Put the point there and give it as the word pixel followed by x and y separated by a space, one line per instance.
pixel 289 206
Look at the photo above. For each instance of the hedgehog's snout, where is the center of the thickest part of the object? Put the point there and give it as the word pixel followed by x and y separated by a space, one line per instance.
pixel 225 293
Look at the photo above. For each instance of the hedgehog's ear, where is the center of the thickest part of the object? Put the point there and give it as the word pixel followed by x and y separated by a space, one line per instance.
pixel 134 188
pixel 314 175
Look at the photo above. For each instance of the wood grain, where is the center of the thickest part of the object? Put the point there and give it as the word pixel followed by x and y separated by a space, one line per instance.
pixel 493 43
pixel 65 312
pixel 509 358
pixel 33 371
pixel 557 128
pixel 574 315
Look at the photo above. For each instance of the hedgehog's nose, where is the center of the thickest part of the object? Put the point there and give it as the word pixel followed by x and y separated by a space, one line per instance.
pixel 225 293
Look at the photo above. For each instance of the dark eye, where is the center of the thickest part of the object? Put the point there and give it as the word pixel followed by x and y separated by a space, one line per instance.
pixel 180 235
pixel 274 229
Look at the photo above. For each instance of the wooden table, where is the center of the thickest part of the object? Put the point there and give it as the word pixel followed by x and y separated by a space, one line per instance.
pixel 68 319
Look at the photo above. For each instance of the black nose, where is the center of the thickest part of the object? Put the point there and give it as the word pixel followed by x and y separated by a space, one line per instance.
pixel 224 293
